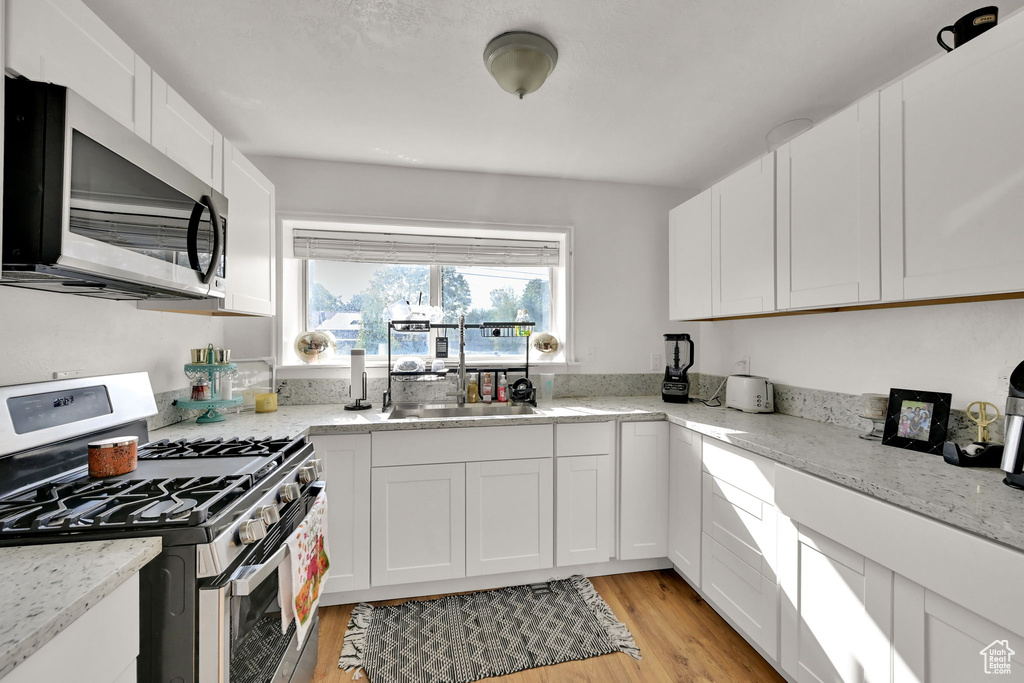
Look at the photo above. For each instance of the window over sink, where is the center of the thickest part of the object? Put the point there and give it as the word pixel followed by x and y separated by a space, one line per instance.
pixel 345 277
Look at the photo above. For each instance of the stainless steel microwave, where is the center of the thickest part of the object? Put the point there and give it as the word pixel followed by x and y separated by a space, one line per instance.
pixel 91 208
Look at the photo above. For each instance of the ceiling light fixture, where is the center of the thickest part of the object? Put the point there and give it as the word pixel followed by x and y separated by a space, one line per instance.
pixel 520 61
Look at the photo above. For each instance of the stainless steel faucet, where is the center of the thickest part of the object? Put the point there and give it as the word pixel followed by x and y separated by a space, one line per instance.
pixel 460 391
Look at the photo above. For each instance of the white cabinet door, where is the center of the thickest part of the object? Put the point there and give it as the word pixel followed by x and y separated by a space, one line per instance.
pixel 251 236
pixel 509 516
pixel 346 464
pixel 689 259
pixel 684 501
pixel 952 175
pixel 839 629
pixel 828 224
pixel 643 490
pixel 186 137
pixel 585 509
pixel 418 523
pixel 67 44
pixel 936 640
pixel 743 240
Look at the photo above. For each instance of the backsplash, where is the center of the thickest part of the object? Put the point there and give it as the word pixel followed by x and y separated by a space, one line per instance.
pixel 839 409
pixel 812 404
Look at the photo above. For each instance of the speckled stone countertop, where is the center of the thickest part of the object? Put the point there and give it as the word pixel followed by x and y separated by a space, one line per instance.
pixel 972 499
pixel 46 587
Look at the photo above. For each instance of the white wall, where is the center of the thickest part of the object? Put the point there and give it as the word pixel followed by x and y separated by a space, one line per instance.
pixel 621 241
pixel 44 332
pixel 962 349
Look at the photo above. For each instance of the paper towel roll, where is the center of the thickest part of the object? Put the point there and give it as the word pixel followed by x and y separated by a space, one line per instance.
pixel 358 361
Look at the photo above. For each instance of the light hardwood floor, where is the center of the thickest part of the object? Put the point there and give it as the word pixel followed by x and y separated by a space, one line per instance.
pixel 680 637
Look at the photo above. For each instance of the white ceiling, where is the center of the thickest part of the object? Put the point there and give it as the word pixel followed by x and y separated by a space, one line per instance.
pixel 664 92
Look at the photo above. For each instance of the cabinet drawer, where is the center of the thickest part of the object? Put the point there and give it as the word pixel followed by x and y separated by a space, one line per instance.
pixel 466 444
pixel 747 597
pixel 744 470
pixel 741 523
pixel 584 439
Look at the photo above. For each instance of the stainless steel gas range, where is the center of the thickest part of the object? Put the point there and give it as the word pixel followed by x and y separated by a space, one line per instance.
pixel 209 602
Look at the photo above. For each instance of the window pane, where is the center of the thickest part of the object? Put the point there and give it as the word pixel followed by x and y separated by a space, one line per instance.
pixel 349 300
pixel 493 294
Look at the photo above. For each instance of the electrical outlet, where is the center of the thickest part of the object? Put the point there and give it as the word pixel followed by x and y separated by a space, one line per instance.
pixel 1003 380
pixel 743 366
pixel 656 361
pixel 67 374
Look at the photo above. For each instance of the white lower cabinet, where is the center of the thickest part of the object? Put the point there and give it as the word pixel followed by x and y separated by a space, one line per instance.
pixel 98 647
pixel 745 595
pixel 418 523
pixel 939 641
pixel 837 612
pixel 643 491
pixel 684 501
pixel 346 464
pixel 585 512
pixel 509 516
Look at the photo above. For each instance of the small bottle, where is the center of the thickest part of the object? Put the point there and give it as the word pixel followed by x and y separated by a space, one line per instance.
pixel 485 389
pixel 502 389
pixel 522 317
pixel 472 391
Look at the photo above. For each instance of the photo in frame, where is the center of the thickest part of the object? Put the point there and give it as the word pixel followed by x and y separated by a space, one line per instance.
pixel 917 420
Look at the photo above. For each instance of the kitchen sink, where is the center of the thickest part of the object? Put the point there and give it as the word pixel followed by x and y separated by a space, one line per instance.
pixel 402 411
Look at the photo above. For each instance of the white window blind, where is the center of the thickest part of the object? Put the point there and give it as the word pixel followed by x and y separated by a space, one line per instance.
pixel 334 245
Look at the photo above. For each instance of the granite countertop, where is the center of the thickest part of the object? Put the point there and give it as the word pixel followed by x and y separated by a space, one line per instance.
pixel 46 587
pixel 972 499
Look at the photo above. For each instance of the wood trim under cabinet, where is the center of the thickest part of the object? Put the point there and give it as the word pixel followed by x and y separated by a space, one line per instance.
pixel 1005 296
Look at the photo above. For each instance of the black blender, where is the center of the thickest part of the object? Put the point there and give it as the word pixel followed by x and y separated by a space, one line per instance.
pixel 675 388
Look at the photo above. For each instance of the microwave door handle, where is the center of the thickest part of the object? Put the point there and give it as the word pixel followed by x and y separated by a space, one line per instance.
pixel 248 577
pixel 193 238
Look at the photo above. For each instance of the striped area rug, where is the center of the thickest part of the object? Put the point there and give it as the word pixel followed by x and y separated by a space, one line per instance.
pixel 462 638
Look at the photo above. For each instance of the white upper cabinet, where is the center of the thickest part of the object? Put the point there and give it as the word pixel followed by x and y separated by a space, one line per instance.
pixel 185 136
pixel 828 224
pixel 65 43
pixel 250 245
pixel 953 172
pixel 689 265
pixel 743 240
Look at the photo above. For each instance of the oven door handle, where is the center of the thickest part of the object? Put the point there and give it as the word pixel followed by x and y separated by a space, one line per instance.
pixel 249 576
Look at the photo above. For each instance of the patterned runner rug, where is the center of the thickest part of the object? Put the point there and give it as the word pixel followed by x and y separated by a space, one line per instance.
pixel 462 638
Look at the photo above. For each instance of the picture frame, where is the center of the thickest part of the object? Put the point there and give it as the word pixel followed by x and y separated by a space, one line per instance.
pixel 917 420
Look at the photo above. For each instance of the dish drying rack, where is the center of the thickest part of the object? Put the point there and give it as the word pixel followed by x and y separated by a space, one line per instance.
pixel 487 330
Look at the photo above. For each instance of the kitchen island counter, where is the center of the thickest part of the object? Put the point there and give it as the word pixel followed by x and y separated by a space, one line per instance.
pixel 48 586
pixel 972 499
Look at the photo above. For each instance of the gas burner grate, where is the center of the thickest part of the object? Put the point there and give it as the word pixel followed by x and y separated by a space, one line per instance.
pixel 215 448
pixel 90 504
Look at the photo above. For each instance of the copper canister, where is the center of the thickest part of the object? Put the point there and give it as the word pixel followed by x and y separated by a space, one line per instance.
pixel 111 457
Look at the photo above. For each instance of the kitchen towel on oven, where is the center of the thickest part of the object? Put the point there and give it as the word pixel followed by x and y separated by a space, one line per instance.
pixel 304 569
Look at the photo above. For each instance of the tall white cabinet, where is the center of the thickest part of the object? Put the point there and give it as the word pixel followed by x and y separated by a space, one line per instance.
pixel 743 240
pixel 585 493
pixel 684 501
pixel 643 490
pixel 689 263
pixel 828 224
pixel 952 174
pixel 346 464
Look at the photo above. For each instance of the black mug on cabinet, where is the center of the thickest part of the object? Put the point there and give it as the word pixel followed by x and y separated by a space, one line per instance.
pixel 969 26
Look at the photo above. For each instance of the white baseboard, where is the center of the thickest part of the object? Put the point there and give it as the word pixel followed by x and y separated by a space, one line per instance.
pixel 771 660
pixel 477 583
